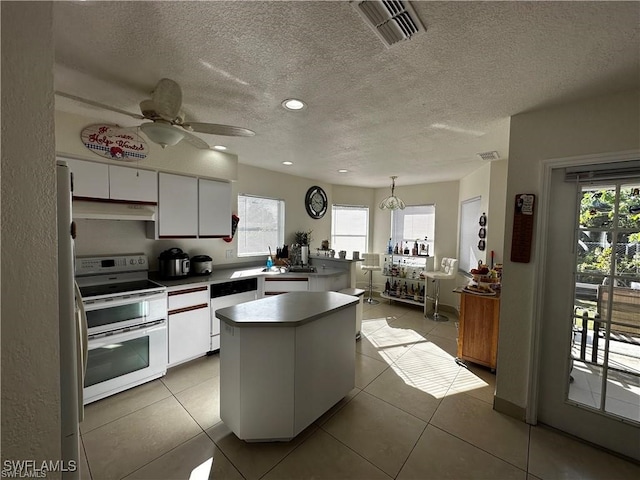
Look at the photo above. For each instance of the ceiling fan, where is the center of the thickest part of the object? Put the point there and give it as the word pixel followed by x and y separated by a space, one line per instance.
pixel 163 109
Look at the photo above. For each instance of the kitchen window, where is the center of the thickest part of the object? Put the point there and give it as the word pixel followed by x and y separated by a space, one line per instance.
pixel 261 225
pixel 415 222
pixel 350 228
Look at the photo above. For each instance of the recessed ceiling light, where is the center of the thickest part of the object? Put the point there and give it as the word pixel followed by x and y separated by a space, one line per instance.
pixel 287 163
pixel 342 170
pixel 219 147
pixel 293 104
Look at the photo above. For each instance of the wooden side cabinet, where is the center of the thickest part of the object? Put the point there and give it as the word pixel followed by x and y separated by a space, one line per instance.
pixel 478 329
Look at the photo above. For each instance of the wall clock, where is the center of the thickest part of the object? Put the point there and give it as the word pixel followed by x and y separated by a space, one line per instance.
pixel 315 201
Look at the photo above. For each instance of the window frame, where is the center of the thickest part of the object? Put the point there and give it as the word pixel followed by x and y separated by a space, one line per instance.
pixel 398 237
pixel 243 225
pixel 364 208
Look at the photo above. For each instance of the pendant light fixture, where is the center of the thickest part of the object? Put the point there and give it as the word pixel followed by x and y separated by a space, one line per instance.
pixel 392 202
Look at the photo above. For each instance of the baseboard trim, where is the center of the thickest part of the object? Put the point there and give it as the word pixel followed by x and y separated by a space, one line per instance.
pixel 511 409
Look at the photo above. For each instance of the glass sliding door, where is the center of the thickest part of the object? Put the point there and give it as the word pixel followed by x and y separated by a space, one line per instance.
pixel 605 349
pixel 589 350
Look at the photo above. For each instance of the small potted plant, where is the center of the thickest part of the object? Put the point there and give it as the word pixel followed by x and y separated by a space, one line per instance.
pixel 303 238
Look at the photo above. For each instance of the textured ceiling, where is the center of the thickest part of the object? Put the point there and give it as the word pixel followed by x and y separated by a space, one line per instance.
pixel 421 109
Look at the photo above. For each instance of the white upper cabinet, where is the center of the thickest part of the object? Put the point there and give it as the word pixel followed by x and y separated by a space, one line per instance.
pixel 90 179
pixel 133 184
pixel 177 206
pixel 214 208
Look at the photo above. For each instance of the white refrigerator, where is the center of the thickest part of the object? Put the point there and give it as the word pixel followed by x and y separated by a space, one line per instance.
pixel 72 330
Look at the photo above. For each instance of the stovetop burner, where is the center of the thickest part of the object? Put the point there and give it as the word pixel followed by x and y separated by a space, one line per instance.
pixel 117 288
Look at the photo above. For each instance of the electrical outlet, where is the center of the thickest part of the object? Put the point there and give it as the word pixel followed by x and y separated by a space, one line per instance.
pixel 228 253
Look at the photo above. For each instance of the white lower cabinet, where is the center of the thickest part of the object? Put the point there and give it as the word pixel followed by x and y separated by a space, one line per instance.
pixel 223 302
pixel 283 284
pixel 189 324
pixel 333 283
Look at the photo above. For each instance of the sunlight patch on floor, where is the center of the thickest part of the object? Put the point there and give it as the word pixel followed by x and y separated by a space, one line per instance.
pixel 426 384
pixel 202 471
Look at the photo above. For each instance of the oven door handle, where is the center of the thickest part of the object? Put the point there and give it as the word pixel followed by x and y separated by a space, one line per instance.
pixel 83 346
pixel 102 303
pixel 124 336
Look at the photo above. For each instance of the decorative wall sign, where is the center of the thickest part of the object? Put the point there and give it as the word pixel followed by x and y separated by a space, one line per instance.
pixel 522 228
pixel 483 220
pixel 482 233
pixel 481 245
pixel 114 142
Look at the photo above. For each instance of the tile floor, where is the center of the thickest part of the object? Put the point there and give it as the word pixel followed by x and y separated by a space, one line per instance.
pixel 414 414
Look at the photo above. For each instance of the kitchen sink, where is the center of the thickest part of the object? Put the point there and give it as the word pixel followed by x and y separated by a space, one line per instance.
pixel 275 270
pixel 302 269
pixel 291 269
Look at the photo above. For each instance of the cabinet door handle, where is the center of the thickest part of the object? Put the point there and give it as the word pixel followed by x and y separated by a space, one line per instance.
pixel 190 290
pixel 189 308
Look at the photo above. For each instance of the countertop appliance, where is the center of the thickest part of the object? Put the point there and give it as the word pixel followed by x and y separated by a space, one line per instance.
pixel 173 263
pixel 201 265
pixel 72 330
pixel 126 316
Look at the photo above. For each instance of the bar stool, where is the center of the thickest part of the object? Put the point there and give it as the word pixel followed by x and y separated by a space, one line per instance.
pixel 447 271
pixel 370 263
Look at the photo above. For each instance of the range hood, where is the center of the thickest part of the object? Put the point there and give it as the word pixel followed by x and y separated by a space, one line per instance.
pixel 113 211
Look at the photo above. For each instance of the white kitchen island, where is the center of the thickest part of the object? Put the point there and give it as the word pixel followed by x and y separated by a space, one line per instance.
pixel 284 361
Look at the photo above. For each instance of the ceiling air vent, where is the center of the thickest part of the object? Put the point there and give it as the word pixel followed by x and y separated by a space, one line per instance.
pixel 489 156
pixel 393 21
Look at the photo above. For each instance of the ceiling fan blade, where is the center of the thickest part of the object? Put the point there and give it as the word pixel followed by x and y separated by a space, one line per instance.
pixel 215 129
pixel 99 105
pixel 167 98
pixel 195 141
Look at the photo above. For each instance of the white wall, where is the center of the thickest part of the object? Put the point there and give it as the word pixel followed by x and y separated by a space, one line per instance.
pixel 445 197
pixel 497 209
pixel 30 349
pixel 181 158
pixel 597 125
pixel 489 183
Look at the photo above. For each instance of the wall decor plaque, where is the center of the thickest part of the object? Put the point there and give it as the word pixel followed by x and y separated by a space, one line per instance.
pixel 114 142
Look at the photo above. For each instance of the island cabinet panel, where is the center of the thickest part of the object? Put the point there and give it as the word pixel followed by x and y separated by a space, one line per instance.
pixel 323 370
pixel 284 361
pixel 478 329
pixel 268 393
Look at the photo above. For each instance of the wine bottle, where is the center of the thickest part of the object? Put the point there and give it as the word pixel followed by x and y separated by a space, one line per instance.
pixel 390 247
pixel 406 249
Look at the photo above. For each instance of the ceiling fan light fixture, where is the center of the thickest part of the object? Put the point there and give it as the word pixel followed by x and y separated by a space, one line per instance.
pixel 293 104
pixel 162 133
pixel 220 147
pixel 392 202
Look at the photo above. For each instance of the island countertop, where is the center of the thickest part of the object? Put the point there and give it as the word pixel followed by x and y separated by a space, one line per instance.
pixel 286 310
